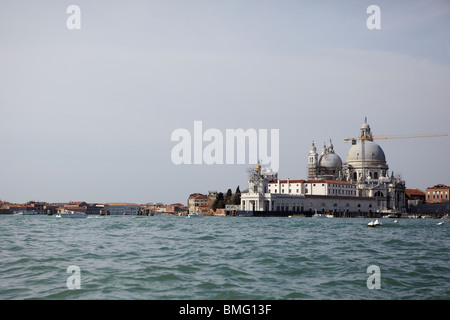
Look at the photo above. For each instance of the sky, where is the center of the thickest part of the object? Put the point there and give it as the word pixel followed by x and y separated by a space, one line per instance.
pixel 87 114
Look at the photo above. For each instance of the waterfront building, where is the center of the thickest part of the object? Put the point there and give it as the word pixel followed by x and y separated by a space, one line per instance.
pixel 77 206
pixel 365 167
pixel 196 200
pixel 360 186
pixel 437 194
pixel 284 197
pixel 121 208
pixel 94 208
pixel 176 208
pixel 37 207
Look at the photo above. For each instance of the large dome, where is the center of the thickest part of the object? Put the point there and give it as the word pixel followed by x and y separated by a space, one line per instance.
pixel 373 153
pixel 330 160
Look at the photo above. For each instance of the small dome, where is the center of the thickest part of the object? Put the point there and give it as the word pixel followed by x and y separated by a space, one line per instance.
pixel 330 160
pixel 373 152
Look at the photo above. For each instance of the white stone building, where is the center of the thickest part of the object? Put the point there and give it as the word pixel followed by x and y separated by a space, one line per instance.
pixel 121 208
pixel 365 166
pixel 360 186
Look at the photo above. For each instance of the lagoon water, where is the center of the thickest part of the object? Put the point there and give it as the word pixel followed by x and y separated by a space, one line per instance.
pixel 171 257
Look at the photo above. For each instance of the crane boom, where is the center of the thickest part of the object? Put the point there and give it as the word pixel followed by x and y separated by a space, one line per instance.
pixel 398 137
pixel 366 135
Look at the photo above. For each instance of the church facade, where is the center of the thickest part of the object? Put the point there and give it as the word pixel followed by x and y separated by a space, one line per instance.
pixel 361 185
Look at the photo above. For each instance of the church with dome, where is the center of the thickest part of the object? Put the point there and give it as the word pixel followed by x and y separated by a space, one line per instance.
pixel 365 166
pixel 362 185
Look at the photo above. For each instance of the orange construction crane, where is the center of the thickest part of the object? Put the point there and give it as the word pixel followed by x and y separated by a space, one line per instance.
pixel 367 135
pixel 396 137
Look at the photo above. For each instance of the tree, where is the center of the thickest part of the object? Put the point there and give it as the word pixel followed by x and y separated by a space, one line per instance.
pixel 228 196
pixel 236 199
pixel 219 203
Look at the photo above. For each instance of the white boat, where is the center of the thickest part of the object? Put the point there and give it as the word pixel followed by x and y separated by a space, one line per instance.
pixel 26 213
pixel 375 223
pixel 195 215
pixel 71 214
pixel 319 215
pixel 440 223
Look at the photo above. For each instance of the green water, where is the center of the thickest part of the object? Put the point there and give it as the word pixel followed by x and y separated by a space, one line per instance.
pixel 170 257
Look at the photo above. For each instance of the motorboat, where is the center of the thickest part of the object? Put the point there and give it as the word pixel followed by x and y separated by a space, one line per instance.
pixel 71 214
pixel 195 215
pixel 26 213
pixel 375 223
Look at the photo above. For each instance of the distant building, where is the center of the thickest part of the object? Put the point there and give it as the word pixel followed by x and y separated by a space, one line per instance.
pixel 195 200
pixel 438 194
pixel 79 206
pixel 121 208
pixel 365 166
pixel 280 197
pixel 415 194
pixel 37 207
pixel 176 208
pixel 360 186
pixel 94 208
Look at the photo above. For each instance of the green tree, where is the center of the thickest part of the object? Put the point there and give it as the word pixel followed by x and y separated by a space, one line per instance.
pixel 219 203
pixel 236 199
pixel 228 196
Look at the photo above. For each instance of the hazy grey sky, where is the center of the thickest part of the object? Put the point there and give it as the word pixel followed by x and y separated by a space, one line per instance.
pixel 87 115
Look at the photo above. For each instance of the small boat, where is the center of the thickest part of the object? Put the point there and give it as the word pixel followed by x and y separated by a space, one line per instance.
pixel 195 215
pixel 319 215
pixel 440 223
pixel 71 214
pixel 375 223
pixel 26 213
pixel 395 221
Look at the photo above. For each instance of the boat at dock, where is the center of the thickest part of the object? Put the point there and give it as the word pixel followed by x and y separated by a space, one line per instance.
pixel 25 213
pixel 195 215
pixel 71 214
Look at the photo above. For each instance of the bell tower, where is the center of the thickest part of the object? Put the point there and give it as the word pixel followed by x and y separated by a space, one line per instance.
pixel 312 162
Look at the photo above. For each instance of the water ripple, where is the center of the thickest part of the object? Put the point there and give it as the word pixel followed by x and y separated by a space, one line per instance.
pixel 165 257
